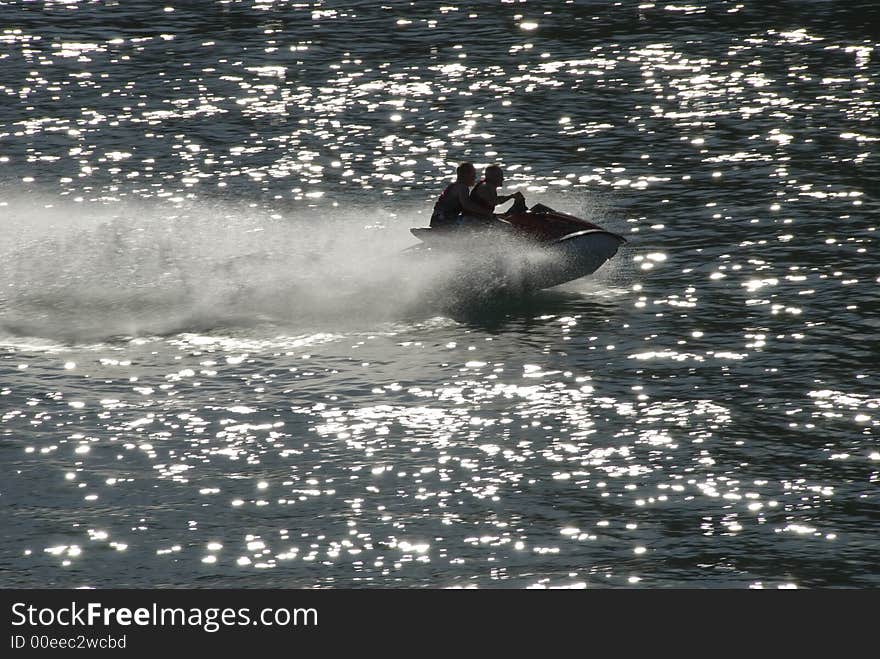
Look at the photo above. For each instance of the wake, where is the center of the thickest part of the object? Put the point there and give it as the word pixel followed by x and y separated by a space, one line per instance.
pixel 84 272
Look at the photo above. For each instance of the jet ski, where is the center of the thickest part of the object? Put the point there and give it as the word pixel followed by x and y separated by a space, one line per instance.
pixel 530 250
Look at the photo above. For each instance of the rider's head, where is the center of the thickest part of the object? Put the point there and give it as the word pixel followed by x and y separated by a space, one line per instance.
pixel 466 173
pixel 494 175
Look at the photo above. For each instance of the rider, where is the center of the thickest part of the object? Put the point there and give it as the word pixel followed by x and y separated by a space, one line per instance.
pixel 485 193
pixel 454 207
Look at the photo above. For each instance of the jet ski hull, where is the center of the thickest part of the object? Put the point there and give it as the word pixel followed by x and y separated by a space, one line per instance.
pixel 571 257
pixel 527 251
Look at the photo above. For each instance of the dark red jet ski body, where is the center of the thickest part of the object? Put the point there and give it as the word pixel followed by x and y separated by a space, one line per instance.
pixel 553 247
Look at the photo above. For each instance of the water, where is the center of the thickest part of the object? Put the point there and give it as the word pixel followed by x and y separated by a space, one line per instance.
pixel 217 369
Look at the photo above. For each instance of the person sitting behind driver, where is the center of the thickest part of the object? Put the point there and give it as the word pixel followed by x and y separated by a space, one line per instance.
pixel 454 207
pixel 485 193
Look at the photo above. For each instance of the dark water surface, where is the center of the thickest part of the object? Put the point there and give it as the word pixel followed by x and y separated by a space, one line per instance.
pixel 216 369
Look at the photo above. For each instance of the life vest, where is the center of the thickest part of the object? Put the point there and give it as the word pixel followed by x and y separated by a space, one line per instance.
pixel 447 209
pixel 477 199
